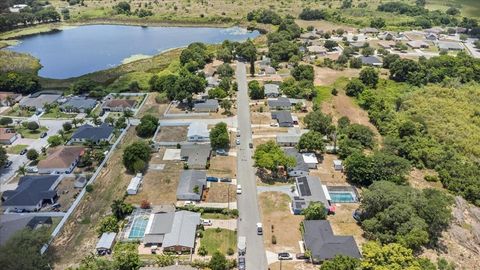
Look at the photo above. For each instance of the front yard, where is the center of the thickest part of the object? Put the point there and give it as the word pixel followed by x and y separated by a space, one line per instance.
pixel 219 239
pixel 31 134
pixel 56 113
pixel 16 149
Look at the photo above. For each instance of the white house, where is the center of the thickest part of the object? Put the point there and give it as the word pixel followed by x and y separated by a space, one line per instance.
pixel 310 159
pixel 198 132
pixel 337 165
pixel 132 188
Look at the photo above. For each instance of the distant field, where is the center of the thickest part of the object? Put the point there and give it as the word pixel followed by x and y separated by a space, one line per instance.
pixel 470 8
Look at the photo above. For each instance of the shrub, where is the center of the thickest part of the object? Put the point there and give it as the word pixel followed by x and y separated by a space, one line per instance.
pixel 230 251
pixel 89 188
pixel 274 239
pixel 431 178
pixel 202 251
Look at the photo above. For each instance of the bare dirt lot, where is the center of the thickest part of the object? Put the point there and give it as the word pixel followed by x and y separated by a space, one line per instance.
pixel 67 193
pixel 344 224
pixel 327 76
pixel 221 193
pixel 327 174
pixel 223 166
pixel 278 220
pixel 172 134
pixel 259 118
pixel 159 186
pixel 152 107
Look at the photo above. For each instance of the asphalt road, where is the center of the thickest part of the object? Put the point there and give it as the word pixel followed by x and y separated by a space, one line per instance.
pixel 247 201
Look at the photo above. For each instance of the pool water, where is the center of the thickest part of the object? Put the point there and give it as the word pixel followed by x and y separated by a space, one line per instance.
pixel 342 197
pixel 138 228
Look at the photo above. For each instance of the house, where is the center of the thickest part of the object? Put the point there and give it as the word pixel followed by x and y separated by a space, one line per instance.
pixel 134 184
pixel 106 242
pixel 450 46
pixel 324 245
pixel 212 82
pixel 271 90
pixel 78 104
pixel 417 44
pixel 196 155
pixel 62 159
pixel 369 30
pixel 386 35
pixel 431 36
pixel 434 30
pixel 371 61
pixel 32 192
pixel 284 118
pixel 12 223
pixel 301 168
pixel 288 140
pixel 318 50
pixel 309 189
pixel 37 102
pixel 173 231
pixel 7 136
pixel 17 8
pixel 265 62
pixel 88 133
pixel 198 132
pixel 269 70
pixel 358 45
pixel 281 103
pixel 337 165
pixel 9 98
pixel 191 185
pixel 118 105
pixel 310 159
pixel 210 105
pixel 388 44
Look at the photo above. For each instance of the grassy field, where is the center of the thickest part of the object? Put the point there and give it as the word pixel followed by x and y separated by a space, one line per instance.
pixel 218 239
pixel 469 8
pixel 16 149
pixel 29 134
pixel 13 61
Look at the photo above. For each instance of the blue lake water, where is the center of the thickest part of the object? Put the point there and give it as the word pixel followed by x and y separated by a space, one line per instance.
pixel 85 49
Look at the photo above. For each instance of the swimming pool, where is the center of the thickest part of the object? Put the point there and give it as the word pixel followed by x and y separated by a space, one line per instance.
pixel 342 197
pixel 138 227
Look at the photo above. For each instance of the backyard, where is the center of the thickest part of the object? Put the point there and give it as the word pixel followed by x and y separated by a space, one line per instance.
pixel 218 239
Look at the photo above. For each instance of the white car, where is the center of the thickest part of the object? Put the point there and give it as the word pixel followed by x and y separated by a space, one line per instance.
pixel 32 169
pixel 206 222
pixel 239 189
pixel 238 141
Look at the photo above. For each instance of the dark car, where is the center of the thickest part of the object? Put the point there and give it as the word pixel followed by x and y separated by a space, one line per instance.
pixel 241 263
pixel 44 134
pixel 8 164
pixel 301 256
pixel 23 152
pixel 212 179
pixel 225 179
pixel 284 256
pixel 250 145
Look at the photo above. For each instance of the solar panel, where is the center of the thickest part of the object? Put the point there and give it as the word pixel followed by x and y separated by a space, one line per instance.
pixel 304 187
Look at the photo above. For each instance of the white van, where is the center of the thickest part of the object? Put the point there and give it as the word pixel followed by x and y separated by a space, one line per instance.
pixel 259 228
pixel 242 245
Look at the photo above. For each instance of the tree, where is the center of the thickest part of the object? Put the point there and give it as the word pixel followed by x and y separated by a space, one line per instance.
pixel 23 83
pixel 135 155
pixel 225 70
pixel 248 51
pixel 367 51
pixel 165 260
pixel 315 211
pixel 361 133
pixel 356 62
pixel 33 126
pixel 369 77
pixel 452 11
pixel 107 224
pixel 311 141
pixel 55 140
pixel 219 137
pixel 354 88
pixel 256 91
pixel 120 209
pixel 402 68
pixel 122 8
pixel 218 261
pixel 226 105
pixel 270 156
pixel 319 122
pixel 3 156
pixel 5 121
pixel 391 256
pixel 93 262
pixel 83 86
pixel 126 257
pixel 303 72
pixel 377 23
pixel 26 241
pixel 341 262
pixel 67 126
pixel 217 93
pixel 32 154
pixel 330 45
pixel 147 127
pixel 22 170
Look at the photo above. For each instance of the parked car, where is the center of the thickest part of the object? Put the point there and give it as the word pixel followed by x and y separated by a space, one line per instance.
pixel 32 169
pixel 225 179
pixel 238 141
pixel 189 203
pixel 250 145
pixel 284 256
pixel 212 179
pixel 239 189
pixel 43 135
pixel 221 152
pixel 8 164
pixel 238 132
pixel 206 222
pixel 273 124
pixel 301 256
pixel 259 228
pixel 23 152
pixel 241 263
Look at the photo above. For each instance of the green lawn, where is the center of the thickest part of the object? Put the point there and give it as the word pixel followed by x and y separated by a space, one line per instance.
pixel 218 239
pixel 215 216
pixel 56 113
pixel 324 93
pixel 16 111
pixel 26 133
pixel 15 149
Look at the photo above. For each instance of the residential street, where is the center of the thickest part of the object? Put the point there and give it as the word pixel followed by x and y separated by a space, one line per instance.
pixel 247 201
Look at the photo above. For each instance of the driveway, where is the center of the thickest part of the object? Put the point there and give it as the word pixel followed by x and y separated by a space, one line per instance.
pixel 247 201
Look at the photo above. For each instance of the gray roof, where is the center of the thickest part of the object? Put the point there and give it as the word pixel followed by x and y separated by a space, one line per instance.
pixel 370 60
pixel 208 104
pixel 12 223
pixel 31 190
pixel 196 154
pixel 271 88
pixel 288 138
pixel 88 132
pixel 188 180
pixel 183 230
pixel 279 102
pixel 309 189
pixel 39 101
pixel 106 240
pixel 161 223
pixel 449 45
pixel 283 117
pixel 324 245
pixel 198 128
pixel 80 103
pixel 301 165
pixel 369 30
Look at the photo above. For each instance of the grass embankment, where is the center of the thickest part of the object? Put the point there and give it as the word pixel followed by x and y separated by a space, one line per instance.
pixel 13 61
pixel 218 239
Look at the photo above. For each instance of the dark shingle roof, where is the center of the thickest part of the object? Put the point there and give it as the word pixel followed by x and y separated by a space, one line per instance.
pixel 279 102
pixel 196 154
pixel 370 60
pixel 209 104
pixel 31 190
pixel 301 165
pixel 283 116
pixel 80 103
pixel 88 132
pixel 324 245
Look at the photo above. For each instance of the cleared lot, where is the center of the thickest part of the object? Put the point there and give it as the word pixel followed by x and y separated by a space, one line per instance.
pixel 172 134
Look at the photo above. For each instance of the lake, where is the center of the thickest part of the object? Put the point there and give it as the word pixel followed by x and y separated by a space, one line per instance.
pixel 80 50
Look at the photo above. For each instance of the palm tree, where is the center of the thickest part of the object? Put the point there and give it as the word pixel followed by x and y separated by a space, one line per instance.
pixel 75 122
pixel 117 208
pixel 127 114
pixel 22 170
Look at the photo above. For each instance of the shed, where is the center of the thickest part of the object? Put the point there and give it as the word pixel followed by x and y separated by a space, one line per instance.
pixel 106 242
pixel 310 159
pixel 337 165
pixel 134 184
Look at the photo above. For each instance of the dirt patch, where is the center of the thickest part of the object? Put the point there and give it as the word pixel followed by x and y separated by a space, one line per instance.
pixel 258 118
pixel 344 224
pixel 287 265
pixel 416 179
pixel 67 193
pixel 221 193
pixel 223 166
pixel 278 220
pixel 327 76
pixel 152 107
pixel 172 134
pixel 327 174
pixel 159 186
